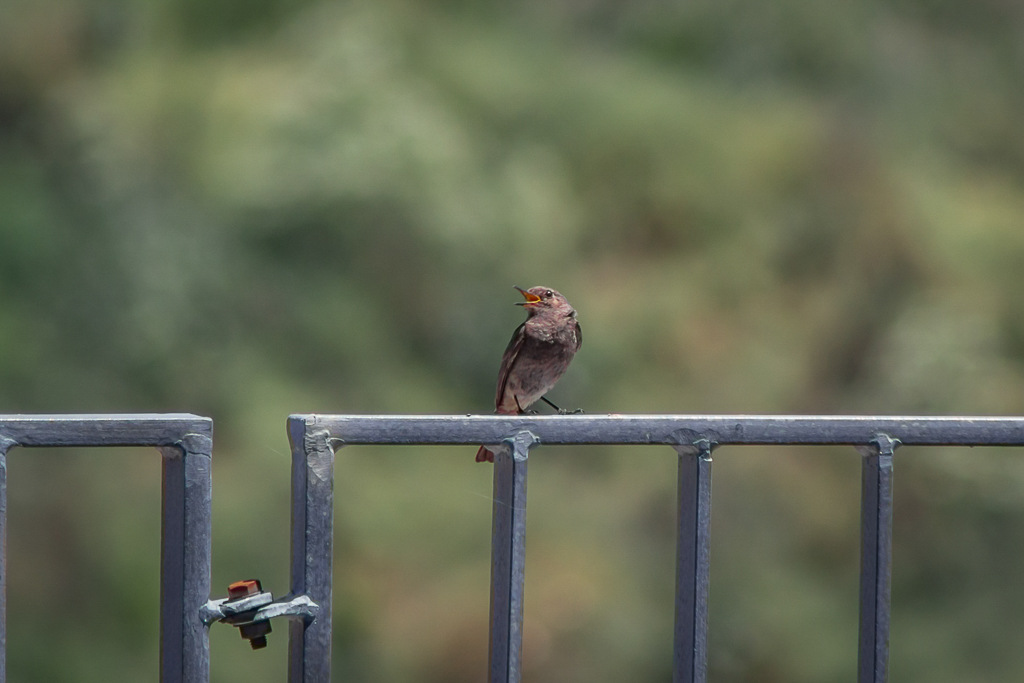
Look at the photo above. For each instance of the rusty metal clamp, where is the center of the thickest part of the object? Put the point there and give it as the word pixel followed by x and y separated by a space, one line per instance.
pixel 250 608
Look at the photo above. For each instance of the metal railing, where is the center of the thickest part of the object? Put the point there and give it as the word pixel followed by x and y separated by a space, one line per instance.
pixel 186 612
pixel 694 438
pixel 185 442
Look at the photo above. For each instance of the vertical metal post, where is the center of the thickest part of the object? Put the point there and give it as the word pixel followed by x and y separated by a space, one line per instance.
pixel 508 558
pixel 312 559
pixel 185 560
pixel 875 559
pixel 5 445
pixel 693 554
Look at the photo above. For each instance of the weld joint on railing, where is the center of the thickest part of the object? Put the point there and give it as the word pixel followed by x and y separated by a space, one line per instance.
pixel 319 448
pixel 320 440
pixel 6 444
pixel 520 443
pixel 191 443
pixel 881 445
pixel 700 447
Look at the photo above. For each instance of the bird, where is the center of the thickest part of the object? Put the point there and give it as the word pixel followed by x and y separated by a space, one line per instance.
pixel 538 354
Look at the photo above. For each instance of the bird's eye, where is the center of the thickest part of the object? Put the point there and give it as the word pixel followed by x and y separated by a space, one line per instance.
pixel 548 293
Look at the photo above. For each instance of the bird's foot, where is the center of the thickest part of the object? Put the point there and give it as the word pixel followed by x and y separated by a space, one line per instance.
pixel 563 411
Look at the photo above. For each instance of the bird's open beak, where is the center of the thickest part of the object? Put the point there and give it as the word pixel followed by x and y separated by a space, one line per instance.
pixel 530 298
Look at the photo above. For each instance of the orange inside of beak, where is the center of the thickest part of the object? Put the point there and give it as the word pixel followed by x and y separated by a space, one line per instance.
pixel 530 297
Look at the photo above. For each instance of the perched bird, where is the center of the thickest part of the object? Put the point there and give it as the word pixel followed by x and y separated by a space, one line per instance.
pixel 538 355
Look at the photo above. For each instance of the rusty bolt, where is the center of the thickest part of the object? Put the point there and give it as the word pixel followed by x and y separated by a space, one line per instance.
pixel 256 633
pixel 241 589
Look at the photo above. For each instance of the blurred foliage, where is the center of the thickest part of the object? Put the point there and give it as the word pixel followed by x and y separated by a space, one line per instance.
pixel 248 209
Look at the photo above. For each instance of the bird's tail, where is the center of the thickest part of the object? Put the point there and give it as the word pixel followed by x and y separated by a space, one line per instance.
pixel 485 455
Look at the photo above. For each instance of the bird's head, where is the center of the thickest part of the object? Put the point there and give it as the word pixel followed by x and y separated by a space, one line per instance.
pixel 544 300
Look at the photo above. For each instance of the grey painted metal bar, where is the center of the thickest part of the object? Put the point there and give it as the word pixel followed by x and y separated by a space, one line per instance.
pixel 185 560
pixel 143 429
pixel 312 553
pixel 876 560
pixel 693 564
pixel 508 558
pixel 185 442
pixel 673 429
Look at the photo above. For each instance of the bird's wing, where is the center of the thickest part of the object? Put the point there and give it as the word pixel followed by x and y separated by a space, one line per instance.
pixel 579 336
pixel 514 344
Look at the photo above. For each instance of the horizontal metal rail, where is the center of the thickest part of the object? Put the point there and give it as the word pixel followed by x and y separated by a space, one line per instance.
pixel 133 429
pixel 673 429
pixel 185 441
pixel 694 437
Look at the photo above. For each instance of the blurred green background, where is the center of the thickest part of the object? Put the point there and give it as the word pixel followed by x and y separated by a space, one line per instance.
pixel 249 208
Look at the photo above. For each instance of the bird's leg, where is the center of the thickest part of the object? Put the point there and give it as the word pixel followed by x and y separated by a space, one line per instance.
pixel 522 412
pixel 562 411
pixel 545 399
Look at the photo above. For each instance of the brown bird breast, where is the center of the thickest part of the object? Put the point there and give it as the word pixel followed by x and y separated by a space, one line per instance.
pixel 547 349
